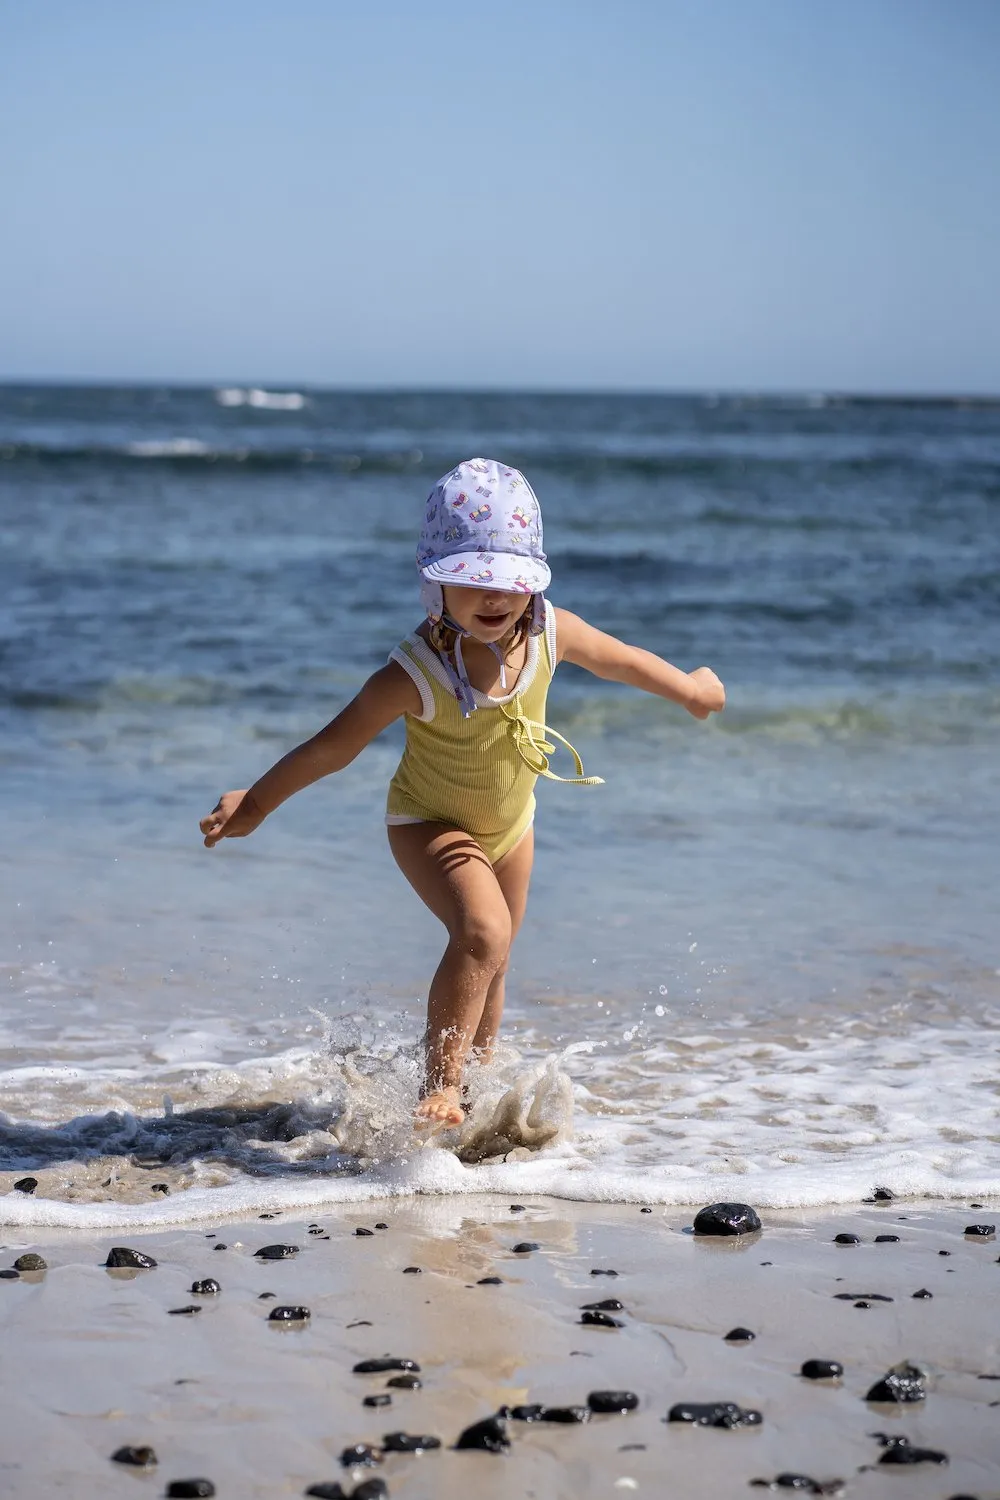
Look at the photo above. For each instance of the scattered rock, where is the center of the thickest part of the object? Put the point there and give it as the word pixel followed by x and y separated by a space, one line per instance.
pixel 880 1195
pixel 382 1366
pixel 382 1398
pixel 265 1296
pixel 980 1231
pixel 923 1293
pixel 899 1450
pixel 139 1458
pixel 120 1257
pixel 405 1383
pixel 9 1274
pixel 517 1208
pixel 847 1239
pixel 381 1226
pixel 183 1312
pixel 286 1314
pixel 488 1436
pixel 801 1482
pixel 727 1218
pixel 609 1304
pixel 597 1272
pixel 740 1336
pixel 525 1247
pixel 25 1184
pixel 408 1442
pixel 822 1369
pixel 190 1489
pixel 371 1489
pixel 600 1320
pixel 714 1414
pixel 328 1490
pixel 30 1262
pixel 613 1401
pixel 901 1384
pixel 362 1454
pixel 866 1297
pixel 267 1216
pixel 160 1187
pixel 274 1252
pixel 532 1413
pixel 412 1271
pixel 887 1239
pixel 364 1233
pixel 645 1210
pixel 220 1246
pixel 211 1288
pixel 564 1414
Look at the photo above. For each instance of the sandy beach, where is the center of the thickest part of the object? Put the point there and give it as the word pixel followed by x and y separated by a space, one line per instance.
pixel 94 1361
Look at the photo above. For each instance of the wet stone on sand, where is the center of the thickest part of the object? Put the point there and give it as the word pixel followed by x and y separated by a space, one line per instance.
pixel 488 1436
pixel 384 1365
pixel 847 1239
pixel 405 1383
pixel 801 1482
pixel 207 1288
pixel 899 1450
pixel 190 1489
pixel 525 1247
pixel 121 1258
pixel 183 1312
pixel 360 1455
pixel 140 1458
pixel 30 1262
pixel 286 1314
pixel 608 1304
pixel 822 1369
pixel 740 1336
pixel 274 1252
pixel 980 1231
pixel 409 1442
pixel 489 1281
pixel 25 1184
pixel 726 1219
pixel 902 1384
pixel 600 1320
pixel 568 1415
pixel 618 1402
pixel 381 1398
pixel 412 1271
pixel 714 1414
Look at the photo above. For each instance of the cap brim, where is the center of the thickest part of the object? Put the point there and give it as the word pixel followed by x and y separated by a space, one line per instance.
pixel 506 571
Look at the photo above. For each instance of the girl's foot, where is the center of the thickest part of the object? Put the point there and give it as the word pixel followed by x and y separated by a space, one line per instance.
pixel 441 1107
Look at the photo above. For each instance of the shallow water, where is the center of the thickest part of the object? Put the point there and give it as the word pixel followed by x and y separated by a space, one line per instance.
pixel 772 938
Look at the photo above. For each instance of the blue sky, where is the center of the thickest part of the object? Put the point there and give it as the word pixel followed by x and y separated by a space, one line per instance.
pixel 646 194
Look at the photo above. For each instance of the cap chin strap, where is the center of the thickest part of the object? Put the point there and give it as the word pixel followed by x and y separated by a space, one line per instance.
pixel 432 598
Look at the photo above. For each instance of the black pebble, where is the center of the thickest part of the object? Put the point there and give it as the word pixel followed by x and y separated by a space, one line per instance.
pixel 160 1187
pixel 645 1210
pixel 382 1398
pixel 714 1414
pixel 361 1454
pixel 887 1239
pixel 405 1383
pixel 867 1296
pixel 883 1195
pixel 980 1231
pixel 600 1320
pixel 381 1226
pixel 822 1369
pixel 740 1336
pixel 264 1296
pixel 314 1232
pixel 408 1442
pixel 9 1274
pixel 30 1262
pixel 207 1288
pixel 412 1271
pixel 275 1252
pixel 532 1413
pixel 727 1218
pixel 26 1184
pixel 120 1257
pixel 524 1247
pixel 901 1451
pixel 597 1272
pixel 488 1436
pixel 267 1216
pixel 902 1384
pixel 847 1239
pixel 184 1489
pixel 862 1303
pixel 382 1366
pixel 365 1233
pixel 371 1489
pixel 565 1414
pixel 328 1490
pixel 139 1458
pixel 944 1252
pixel 181 1312
pixel 609 1304
pixel 490 1281
pixel 923 1293
pixel 612 1401
pixel 517 1208
pixel 283 1314
pixel 220 1246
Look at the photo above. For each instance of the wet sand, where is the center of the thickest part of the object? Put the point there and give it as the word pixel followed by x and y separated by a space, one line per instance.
pixel 93 1360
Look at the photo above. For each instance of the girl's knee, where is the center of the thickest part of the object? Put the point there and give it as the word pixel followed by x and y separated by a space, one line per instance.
pixel 485 938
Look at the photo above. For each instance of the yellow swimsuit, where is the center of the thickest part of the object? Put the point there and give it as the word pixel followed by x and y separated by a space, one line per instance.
pixel 477 773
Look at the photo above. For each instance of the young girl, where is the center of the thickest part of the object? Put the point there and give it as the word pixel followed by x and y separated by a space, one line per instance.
pixel 471 682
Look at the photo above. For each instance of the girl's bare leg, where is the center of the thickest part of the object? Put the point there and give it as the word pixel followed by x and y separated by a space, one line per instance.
pixel 452 876
pixel 513 874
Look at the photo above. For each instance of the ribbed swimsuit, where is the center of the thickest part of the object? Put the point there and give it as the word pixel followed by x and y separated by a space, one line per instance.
pixel 477 773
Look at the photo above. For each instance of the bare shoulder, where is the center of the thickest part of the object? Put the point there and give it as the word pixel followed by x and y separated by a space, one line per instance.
pixel 388 693
pixel 585 645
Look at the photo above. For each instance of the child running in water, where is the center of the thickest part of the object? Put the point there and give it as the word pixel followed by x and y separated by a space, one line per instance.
pixel 471 684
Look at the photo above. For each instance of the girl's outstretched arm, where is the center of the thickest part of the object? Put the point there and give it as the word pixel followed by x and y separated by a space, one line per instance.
pixel 386 695
pixel 700 691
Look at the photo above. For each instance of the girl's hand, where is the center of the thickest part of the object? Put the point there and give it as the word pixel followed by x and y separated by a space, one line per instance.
pixel 234 816
pixel 708 696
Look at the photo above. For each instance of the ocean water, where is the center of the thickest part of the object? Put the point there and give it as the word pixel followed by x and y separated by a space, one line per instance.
pixel 761 962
